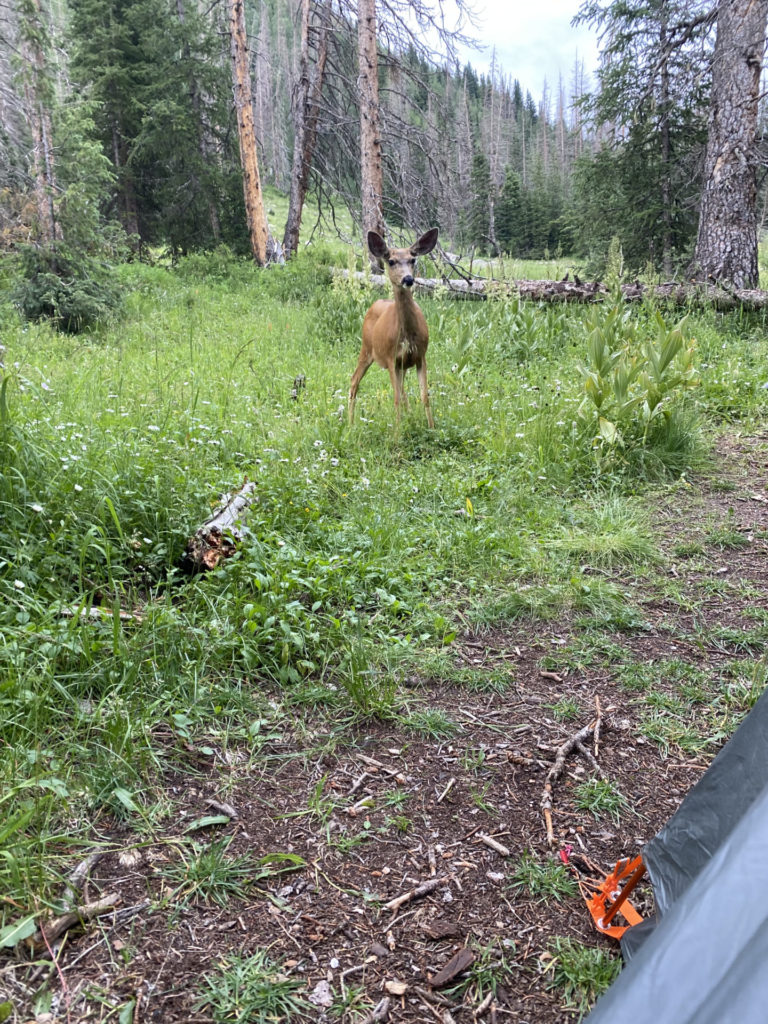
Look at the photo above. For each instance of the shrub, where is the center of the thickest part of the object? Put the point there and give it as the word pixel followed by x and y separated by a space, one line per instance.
pixel 72 289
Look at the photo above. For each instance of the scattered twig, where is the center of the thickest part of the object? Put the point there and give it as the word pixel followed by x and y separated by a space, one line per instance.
pixel 483 1006
pixel 447 790
pixel 420 890
pixel 49 932
pixel 433 997
pixel 77 879
pixel 223 808
pixel 365 803
pixel 498 847
pixel 598 725
pixel 379 1012
pixel 358 783
pixel 551 675
pixel 575 742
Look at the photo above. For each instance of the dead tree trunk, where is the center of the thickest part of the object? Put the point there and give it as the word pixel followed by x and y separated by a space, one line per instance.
pixel 306 110
pixel 241 80
pixel 37 97
pixel 726 246
pixel 219 536
pixel 371 167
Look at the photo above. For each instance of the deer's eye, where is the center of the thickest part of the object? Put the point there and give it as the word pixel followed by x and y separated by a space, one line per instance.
pixel 412 262
pixel 391 263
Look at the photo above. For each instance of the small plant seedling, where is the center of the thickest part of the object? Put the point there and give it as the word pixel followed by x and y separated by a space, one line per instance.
pixel 252 989
pixel 599 797
pixel 565 710
pixel 581 973
pixel 212 875
pixel 544 879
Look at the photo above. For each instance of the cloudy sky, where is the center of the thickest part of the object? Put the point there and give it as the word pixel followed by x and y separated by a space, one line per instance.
pixel 534 40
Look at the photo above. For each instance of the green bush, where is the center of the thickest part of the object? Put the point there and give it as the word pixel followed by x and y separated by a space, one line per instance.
pixel 72 289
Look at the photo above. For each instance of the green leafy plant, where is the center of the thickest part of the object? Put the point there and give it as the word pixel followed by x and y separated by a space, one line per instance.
pixel 633 377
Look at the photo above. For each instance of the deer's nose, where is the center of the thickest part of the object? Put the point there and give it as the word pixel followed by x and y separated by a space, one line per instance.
pixel 407 281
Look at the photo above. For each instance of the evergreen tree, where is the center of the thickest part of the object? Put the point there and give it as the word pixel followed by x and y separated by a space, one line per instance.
pixel 480 204
pixel 510 214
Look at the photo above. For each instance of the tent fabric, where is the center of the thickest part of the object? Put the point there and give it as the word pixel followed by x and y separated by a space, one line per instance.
pixel 705 961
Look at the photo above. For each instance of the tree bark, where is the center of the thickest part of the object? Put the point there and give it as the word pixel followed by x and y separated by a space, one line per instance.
pixel 37 96
pixel 306 109
pixel 241 80
pixel 726 246
pixel 371 168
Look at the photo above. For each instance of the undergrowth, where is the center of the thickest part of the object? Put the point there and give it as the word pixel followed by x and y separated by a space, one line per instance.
pixel 363 548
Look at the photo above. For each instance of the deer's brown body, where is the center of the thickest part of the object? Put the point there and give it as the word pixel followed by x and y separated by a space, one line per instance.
pixel 395 332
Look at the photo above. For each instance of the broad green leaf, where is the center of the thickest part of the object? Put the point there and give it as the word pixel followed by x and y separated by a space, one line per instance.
pixel 17 931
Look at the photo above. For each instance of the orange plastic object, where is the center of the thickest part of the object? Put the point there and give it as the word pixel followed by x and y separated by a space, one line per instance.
pixel 611 898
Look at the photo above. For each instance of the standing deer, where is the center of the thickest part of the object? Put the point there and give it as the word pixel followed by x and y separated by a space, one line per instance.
pixel 395 333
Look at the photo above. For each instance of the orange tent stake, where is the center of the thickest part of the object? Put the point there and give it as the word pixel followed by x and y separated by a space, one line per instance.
pixel 612 897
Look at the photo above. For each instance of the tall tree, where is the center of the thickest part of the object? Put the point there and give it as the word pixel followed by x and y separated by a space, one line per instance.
pixel 371 167
pixel 241 80
pixel 726 245
pixel 305 107
pixel 38 93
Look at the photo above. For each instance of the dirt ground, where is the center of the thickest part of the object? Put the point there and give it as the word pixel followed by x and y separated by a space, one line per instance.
pixel 383 811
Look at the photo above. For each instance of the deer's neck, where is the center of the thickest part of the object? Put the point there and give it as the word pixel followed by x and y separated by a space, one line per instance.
pixel 406 311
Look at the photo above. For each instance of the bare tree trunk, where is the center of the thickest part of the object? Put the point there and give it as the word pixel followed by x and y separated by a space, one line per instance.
pixel 371 172
pixel 666 152
pixel 726 247
pixel 37 99
pixel 241 78
pixel 306 108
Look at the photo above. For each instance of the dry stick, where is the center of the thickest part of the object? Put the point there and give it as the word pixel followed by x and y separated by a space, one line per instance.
pixel 574 743
pixel 598 723
pixel 379 1012
pixel 53 929
pixel 447 790
pixel 483 1006
pixel 420 890
pixel 498 847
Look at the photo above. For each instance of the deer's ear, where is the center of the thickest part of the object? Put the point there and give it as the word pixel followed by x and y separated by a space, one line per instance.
pixel 377 245
pixel 425 244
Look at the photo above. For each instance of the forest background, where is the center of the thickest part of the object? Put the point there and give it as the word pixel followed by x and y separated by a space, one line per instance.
pixel 120 136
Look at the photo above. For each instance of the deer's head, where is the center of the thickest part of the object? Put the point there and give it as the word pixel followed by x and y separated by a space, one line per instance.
pixel 400 264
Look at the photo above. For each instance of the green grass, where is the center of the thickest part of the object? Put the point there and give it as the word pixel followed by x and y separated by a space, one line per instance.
pixel 252 988
pixel 369 550
pixel 579 973
pixel 544 879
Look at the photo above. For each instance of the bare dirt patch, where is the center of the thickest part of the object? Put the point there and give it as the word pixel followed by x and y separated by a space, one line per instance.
pixel 377 811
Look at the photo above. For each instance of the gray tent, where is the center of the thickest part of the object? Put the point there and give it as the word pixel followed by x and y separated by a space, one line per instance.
pixel 704 960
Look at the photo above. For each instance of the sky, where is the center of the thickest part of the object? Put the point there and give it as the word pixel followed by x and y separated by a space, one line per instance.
pixel 534 40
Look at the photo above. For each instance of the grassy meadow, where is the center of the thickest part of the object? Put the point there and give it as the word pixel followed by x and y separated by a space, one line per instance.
pixel 370 550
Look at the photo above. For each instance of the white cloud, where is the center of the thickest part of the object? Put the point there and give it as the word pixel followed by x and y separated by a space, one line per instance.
pixel 533 41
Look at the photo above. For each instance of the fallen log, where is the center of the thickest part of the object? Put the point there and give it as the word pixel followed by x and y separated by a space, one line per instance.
pixel 219 536
pixel 674 292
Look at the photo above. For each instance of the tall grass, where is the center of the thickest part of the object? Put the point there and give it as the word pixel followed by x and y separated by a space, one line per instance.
pixel 363 546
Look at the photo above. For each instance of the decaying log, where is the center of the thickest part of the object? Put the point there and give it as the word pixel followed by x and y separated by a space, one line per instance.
pixel 219 536
pixel 676 293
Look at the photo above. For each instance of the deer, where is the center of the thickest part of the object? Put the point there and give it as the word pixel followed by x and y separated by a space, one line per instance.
pixel 395 331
